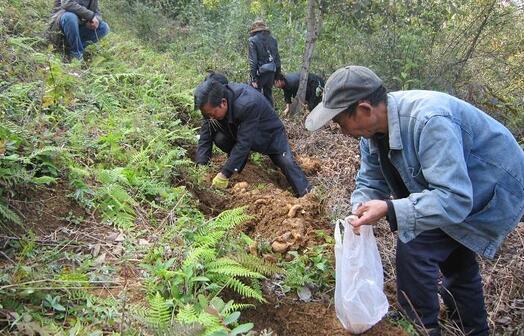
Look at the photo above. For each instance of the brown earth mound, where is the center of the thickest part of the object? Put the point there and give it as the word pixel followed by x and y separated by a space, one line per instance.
pixel 44 209
pixel 295 318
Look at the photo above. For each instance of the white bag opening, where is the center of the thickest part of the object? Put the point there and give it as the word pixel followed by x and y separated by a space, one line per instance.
pixel 360 301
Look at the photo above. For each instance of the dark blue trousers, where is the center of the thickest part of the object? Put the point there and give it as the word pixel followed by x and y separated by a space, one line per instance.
pixel 282 159
pixel 420 264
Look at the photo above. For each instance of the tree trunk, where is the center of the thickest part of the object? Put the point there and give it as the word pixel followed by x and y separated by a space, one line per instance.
pixel 314 24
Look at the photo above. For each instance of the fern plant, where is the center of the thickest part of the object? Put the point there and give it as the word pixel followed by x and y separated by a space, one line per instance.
pixel 211 263
pixel 113 199
pixel 20 166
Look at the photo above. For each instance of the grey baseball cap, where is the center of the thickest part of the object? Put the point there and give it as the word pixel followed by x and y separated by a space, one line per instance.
pixel 344 87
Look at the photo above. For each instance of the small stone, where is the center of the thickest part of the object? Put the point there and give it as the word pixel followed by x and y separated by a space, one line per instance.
pixel 240 187
pixel 112 236
pixel 143 242
pixel 270 258
pixel 253 249
pixel 100 260
pixel 304 293
pixel 96 250
pixel 504 320
pixel 120 238
pixel 293 211
pixel 279 247
pixel 118 250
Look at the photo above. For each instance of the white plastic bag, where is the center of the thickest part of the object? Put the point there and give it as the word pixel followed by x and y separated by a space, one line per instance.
pixel 360 301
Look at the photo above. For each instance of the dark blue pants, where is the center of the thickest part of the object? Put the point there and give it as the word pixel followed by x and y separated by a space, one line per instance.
pixel 78 36
pixel 418 265
pixel 282 159
pixel 265 86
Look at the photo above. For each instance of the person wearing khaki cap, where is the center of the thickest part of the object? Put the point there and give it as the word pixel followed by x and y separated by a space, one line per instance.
pixel 447 177
pixel 264 59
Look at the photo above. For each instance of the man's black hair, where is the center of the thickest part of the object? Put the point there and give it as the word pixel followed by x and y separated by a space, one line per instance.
pixel 221 78
pixel 210 91
pixel 280 76
pixel 376 97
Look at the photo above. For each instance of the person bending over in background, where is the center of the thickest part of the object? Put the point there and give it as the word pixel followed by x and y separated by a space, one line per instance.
pixel 448 177
pixel 264 59
pixel 238 119
pixel 289 83
pixel 80 22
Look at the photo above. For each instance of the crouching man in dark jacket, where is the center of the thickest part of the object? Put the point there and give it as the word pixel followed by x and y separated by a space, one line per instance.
pixel 80 22
pixel 290 82
pixel 238 119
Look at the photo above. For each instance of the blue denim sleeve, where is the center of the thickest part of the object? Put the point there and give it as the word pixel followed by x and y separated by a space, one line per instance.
pixel 370 183
pixel 448 198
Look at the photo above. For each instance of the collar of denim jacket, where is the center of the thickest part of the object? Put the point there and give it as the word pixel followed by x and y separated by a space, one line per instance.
pixel 395 140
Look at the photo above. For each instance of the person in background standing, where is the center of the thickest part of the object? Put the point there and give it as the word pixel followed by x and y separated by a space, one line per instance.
pixel 264 59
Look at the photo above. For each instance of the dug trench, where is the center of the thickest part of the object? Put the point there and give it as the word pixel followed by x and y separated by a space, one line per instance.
pixel 283 223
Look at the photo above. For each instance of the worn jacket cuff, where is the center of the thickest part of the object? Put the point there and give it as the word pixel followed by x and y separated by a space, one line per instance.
pixel 405 216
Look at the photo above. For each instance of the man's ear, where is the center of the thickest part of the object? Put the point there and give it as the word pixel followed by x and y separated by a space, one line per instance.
pixel 365 107
pixel 223 103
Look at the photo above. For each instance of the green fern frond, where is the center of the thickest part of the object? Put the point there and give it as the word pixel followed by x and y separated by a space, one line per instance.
pixel 208 320
pixel 109 176
pixel 139 312
pixel 257 264
pixel 215 330
pixel 200 254
pixel 222 262
pixel 8 215
pixel 187 314
pixel 159 314
pixel 245 290
pixel 47 150
pixel 120 219
pixel 78 172
pixel 230 218
pixel 237 307
pixel 236 271
pixel 82 295
pixel 209 239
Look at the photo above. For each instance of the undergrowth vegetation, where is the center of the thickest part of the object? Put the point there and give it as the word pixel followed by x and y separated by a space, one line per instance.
pixel 115 132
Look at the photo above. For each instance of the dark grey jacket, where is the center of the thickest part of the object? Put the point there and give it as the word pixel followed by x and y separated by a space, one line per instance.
pixel 262 48
pixel 86 10
pixel 251 121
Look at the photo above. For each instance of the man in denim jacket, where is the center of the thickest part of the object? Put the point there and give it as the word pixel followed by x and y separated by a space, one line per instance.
pixel 448 177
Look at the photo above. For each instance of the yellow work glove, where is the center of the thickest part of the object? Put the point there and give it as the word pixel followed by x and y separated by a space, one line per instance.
pixel 220 181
